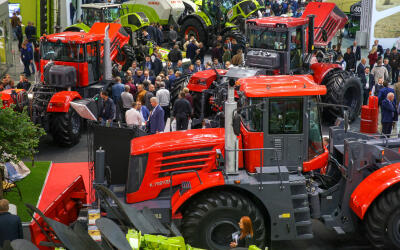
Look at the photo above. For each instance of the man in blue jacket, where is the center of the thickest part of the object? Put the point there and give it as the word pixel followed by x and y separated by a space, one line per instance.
pixel 26 57
pixel 107 113
pixel 389 114
pixel 384 92
pixel 155 123
pixel 10 225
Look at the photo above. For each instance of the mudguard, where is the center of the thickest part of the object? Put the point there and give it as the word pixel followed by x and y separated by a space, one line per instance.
pixel 321 70
pixel 200 16
pixel 372 186
pixel 60 101
pixel 197 184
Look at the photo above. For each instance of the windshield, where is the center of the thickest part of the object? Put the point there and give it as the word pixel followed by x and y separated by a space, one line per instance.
pixel 315 147
pixel 227 5
pixel 108 15
pixel 252 114
pixel 247 7
pixel 111 14
pixel 268 39
pixel 65 52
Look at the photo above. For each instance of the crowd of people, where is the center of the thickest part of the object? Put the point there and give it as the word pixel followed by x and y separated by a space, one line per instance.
pixel 376 75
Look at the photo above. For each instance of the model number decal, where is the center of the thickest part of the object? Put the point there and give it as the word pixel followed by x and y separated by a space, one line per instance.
pixel 159 183
pixel 154 3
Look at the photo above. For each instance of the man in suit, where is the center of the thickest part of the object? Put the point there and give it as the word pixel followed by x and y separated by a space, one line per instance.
pixel 10 225
pixel 368 82
pixel 199 67
pixel 384 92
pixel 157 64
pixel 148 77
pixel 182 111
pixel 191 49
pixel 379 48
pixel 159 34
pixel 155 123
pixel 147 64
pixel 389 114
pixel 356 50
pixel 361 67
pixel 138 78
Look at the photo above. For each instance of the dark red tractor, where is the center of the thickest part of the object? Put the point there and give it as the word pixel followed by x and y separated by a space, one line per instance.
pixel 285 46
pixel 71 67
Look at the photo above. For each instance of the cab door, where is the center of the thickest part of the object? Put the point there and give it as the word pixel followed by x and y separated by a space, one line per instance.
pixel 284 131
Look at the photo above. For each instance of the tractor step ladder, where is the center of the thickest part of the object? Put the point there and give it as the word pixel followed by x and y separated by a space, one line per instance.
pixel 301 207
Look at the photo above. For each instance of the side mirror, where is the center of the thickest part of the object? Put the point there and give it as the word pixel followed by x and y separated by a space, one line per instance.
pixel 236 124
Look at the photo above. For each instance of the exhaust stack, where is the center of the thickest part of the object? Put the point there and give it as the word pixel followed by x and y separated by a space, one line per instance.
pixel 107 54
pixel 231 156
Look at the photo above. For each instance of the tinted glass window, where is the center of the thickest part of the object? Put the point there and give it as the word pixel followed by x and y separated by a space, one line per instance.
pixel 133 20
pixel 315 147
pixel 65 52
pixel 252 115
pixel 247 7
pixel 286 116
pixel 266 39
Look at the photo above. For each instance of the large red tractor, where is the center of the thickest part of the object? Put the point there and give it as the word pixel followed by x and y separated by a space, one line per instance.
pixel 264 164
pixel 284 46
pixel 71 67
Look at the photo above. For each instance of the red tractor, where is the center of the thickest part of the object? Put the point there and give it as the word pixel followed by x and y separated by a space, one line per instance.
pixel 264 164
pixel 284 46
pixel 71 68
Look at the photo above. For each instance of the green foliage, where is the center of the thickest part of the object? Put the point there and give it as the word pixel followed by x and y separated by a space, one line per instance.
pixel 18 135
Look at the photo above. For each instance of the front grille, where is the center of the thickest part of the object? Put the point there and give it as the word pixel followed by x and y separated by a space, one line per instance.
pixel 186 151
pixel 136 171
pixel 194 159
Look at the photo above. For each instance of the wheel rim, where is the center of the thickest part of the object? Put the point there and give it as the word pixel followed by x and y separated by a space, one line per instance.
pixel 75 123
pixel 192 31
pixel 220 233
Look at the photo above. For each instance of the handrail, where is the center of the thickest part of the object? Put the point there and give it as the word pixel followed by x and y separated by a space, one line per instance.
pixel 262 150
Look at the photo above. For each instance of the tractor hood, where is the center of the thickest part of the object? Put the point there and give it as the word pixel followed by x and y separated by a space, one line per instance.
pixel 202 80
pixel 179 140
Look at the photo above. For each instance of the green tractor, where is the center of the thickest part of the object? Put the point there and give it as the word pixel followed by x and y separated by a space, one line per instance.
pixel 205 19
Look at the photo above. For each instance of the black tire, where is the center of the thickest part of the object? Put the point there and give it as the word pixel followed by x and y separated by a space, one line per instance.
pixel 178 87
pixel 342 89
pixel 66 128
pixel 192 26
pixel 129 56
pixel 240 38
pixel 383 220
pixel 210 219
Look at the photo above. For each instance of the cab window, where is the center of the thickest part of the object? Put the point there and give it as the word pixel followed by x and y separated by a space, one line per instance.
pixel 133 20
pixel 252 114
pixel 286 116
pixel 315 145
pixel 296 42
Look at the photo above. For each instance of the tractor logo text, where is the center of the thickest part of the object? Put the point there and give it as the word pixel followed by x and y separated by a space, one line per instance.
pixel 154 3
pixel 159 183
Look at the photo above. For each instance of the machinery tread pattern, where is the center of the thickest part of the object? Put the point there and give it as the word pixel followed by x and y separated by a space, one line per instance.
pixel 206 209
pixel 61 128
pixel 342 89
pixel 129 56
pixel 178 87
pixel 239 36
pixel 382 218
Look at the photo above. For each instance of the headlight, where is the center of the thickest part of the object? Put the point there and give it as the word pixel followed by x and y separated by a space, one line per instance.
pixel 30 96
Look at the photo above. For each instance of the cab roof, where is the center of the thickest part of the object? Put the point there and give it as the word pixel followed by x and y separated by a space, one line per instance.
pixel 278 21
pixel 282 85
pixel 96 33
pixel 100 5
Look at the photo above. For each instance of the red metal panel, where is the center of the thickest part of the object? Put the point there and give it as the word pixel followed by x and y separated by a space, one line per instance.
pixel 252 140
pixel 5 96
pixel 317 162
pixel 280 85
pixel 202 80
pixel 209 180
pixel 65 209
pixel 370 188
pixel 60 101
pixel 321 69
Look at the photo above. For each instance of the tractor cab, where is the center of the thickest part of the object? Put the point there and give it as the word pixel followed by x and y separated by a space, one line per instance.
pixel 74 59
pixel 281 113
pixel 105 13
pixel 277 44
